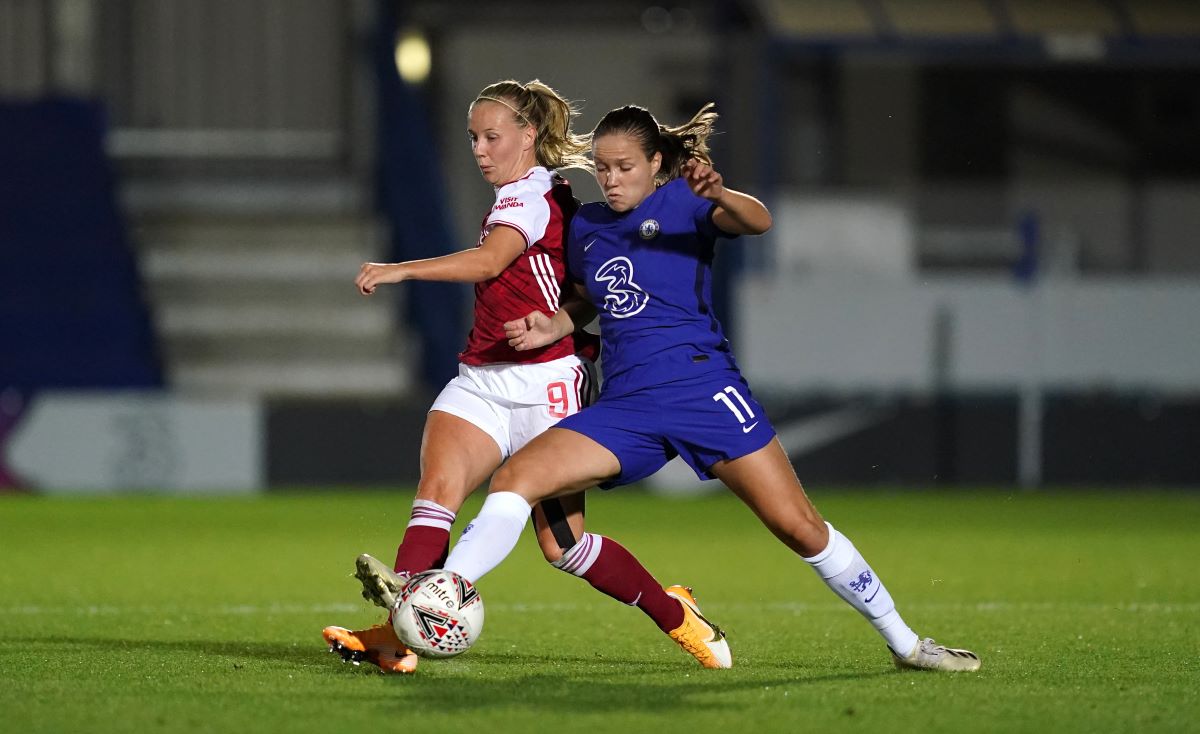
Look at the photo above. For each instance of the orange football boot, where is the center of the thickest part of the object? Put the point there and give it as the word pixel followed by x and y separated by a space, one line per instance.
pixel 378 644
pixel 700 638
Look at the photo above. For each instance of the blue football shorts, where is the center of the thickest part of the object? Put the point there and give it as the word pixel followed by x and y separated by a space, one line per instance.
pixel 704 419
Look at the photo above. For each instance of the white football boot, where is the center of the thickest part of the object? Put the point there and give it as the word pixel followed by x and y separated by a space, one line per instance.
pixel 381 585
pixel 928 655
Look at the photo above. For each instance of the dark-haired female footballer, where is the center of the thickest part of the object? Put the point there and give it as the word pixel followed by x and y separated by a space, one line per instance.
pixel 502 396
pixel 672 387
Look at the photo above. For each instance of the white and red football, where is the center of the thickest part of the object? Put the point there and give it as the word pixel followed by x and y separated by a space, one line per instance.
pixel 439 614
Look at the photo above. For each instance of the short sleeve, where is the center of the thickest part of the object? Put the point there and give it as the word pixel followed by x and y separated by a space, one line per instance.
pixel 702 214
pixel 704 221
pixel 521 205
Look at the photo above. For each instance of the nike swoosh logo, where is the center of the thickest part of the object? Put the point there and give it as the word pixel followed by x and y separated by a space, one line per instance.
pixel 810 433
pixel 588 246
pixel 747 429
pixel 799 437
pixel 877 588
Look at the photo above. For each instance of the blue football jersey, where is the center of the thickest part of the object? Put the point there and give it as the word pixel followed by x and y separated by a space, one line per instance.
pixel 649 274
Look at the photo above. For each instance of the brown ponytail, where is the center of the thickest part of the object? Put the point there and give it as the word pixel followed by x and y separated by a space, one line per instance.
pixel 676 144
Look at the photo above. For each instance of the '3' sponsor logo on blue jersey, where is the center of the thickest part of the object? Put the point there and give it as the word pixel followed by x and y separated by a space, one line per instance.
pixel 623 297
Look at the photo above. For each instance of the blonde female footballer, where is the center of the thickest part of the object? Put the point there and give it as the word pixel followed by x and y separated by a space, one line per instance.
pixel 503 397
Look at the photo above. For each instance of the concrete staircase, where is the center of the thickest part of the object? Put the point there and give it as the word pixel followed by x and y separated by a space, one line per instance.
pixel 262 303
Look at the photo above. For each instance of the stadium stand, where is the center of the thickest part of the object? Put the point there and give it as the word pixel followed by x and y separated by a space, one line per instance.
pixel 72 314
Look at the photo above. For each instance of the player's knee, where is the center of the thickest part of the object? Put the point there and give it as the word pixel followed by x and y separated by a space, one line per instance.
pixel 521 479
pixel 509 478
pixel 803 530
pixel 551 550
pixel 439 488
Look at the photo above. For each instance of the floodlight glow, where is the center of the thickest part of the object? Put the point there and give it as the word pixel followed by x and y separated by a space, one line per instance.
pixel 413 58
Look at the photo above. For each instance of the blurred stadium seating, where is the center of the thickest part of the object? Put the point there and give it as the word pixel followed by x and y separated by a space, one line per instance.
pixel 959 186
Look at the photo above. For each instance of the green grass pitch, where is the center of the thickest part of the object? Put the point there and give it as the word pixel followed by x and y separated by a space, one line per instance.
pixel 145 614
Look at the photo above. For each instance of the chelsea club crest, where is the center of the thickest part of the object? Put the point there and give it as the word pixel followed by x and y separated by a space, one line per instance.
pixel 649 229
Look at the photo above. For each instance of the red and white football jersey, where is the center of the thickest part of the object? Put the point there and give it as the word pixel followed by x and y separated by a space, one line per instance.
pixel 539 206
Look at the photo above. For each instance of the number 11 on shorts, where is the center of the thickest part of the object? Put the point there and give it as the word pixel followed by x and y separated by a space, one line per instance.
pixel 723 397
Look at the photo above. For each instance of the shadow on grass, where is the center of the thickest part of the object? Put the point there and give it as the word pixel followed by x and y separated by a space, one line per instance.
pixel 486 680
pixel 285 654
pixel 574 684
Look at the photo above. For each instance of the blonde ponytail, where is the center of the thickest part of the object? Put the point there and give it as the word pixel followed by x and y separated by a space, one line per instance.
pixel 535 104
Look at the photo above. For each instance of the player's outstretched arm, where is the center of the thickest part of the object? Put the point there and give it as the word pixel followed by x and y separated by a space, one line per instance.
pixel 537 329
pixel 736 213
pixel 499 249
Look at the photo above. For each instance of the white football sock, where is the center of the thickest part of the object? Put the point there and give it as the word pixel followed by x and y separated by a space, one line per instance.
pixel 490 537
pixel 845 571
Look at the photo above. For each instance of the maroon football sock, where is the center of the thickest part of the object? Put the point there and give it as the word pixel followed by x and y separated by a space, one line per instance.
pixel 422 548
pixel 618 574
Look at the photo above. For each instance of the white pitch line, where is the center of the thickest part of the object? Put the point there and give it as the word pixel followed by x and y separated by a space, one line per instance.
pixel 236 610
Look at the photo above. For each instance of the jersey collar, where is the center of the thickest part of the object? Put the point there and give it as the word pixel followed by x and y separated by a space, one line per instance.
pixel 528 173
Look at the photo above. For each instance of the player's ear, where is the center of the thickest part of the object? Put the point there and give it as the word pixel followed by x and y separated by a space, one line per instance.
pixel 655 163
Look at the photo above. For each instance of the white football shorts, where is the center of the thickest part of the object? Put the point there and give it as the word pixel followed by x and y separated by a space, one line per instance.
pixel 512 403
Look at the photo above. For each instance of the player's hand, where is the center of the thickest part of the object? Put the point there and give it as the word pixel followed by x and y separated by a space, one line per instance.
pixel 703 179
pixel 371 275
pixel 533 331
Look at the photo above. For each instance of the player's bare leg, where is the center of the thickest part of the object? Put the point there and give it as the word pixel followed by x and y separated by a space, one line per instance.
pixel 535 473
pixel 612 570
pixel 559 525
pixel 456 457
pixel 767 483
